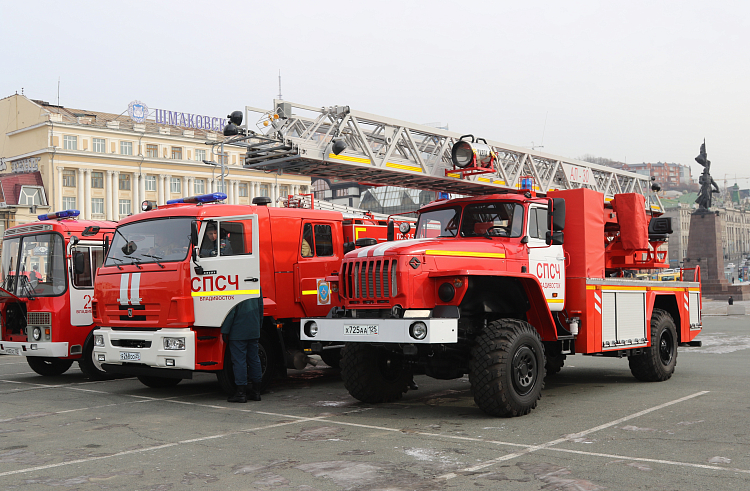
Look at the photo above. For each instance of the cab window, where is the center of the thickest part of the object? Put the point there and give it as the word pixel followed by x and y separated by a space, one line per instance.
pixel 317 241
pixel 538 223
pixel 306 249
pixel 82 271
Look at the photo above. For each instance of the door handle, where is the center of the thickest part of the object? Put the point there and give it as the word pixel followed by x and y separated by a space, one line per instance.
pixel 251 279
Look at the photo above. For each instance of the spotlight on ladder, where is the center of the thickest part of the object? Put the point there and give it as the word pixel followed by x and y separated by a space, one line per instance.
pixel 472 154
pixel 235 120
pixel 339 145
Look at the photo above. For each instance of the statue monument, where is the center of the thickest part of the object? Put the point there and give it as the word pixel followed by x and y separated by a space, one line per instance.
pixel 704 241
pixel 707 183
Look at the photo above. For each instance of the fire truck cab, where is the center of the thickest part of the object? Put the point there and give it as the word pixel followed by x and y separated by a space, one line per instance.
pixel 173 274
pixel 48 273
pixel 502 288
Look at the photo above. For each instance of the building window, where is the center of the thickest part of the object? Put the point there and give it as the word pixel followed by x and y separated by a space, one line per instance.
pixel 221 187
pixel 97 206
pixel 263 190
pixel 150 183
pixel 126 148
pixel 69 202
pixel 125 182
pixel 243 190
pixel 177 153
pixel 200 155
pixel 97 180
pixel 32 195
pixel 69 178
pixel 199 186
pixel 70 142
pixel 283 191
pixel 152 151
pixel 100 145
pixel 222 158
pixel 124 207
pixel 175 186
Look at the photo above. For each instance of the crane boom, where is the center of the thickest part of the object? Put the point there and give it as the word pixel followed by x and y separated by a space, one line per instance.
pixel 384 151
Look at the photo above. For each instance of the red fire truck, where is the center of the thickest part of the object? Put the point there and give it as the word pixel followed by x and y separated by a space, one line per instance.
pixel 492 287
pixel 48 271
pixel 162 292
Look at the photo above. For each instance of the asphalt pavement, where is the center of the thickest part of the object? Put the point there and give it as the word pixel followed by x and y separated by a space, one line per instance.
pixel 596 427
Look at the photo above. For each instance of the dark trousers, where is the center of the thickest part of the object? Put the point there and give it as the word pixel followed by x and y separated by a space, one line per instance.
pixel 245 360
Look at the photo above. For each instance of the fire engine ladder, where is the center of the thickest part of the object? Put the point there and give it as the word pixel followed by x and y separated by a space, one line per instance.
pixel 383 151
pixel 306 201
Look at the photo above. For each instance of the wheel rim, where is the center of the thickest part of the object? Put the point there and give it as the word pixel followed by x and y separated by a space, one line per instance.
pixel 666 348
pixel 525 370
pixel 263 360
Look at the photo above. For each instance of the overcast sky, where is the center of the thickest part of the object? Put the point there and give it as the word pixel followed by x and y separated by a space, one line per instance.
pixel 631 81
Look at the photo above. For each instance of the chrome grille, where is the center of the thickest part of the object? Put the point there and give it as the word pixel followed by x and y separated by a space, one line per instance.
pixel 368 279
pixel 39 318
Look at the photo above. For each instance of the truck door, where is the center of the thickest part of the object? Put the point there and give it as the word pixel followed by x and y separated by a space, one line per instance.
pixel 317 258
pixel 546 262
pixel 85 260
pixel 229 267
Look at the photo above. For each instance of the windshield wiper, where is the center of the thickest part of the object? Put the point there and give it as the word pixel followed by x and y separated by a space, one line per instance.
pixel 117 259
pixel 136 262
pixel 154 257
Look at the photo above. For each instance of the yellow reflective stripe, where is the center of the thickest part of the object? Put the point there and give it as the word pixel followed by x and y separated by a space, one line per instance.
pixel 591 287
pixel 620 287
pixel 349 159
pixel 555 300
pixel 666 289
pixel 357 230
pixel 483 179
pixel 226 292
pixel 404 167
pixel 309 292
pixel 694 289
pixel 466 254
pixel 498 181
pixel 454 174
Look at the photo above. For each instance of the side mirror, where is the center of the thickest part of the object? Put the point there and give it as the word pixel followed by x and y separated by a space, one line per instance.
pixel 129 248
pixel 557 217
pixel 194 233
pixel 79 263
pixel 365 241
pixel 555 238
pixel 391 234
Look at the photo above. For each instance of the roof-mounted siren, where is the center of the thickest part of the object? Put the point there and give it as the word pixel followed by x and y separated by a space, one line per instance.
pixel 472 157
pixel 200 199
pixel 59 214
pixel 147 205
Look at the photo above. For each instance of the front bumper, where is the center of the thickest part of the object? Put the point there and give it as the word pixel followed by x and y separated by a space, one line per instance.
pixel 153 356
pixel 388 330
pixel 55 350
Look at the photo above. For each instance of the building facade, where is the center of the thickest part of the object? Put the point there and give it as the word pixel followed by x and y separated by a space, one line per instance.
pixel 668 175
pixel 106 164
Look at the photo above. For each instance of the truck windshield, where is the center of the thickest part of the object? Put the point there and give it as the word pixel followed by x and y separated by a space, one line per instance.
pixel 438 223
pixel 34 265
pixel 150 241
pixel 492 220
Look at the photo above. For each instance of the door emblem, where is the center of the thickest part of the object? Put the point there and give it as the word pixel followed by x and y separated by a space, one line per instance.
pixel 130 312
pixel 414 262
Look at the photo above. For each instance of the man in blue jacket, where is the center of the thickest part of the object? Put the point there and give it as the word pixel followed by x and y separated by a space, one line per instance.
pixel 241 331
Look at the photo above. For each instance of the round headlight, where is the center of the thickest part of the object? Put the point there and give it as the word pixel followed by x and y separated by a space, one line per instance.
pixel 311 329
pixel 37 333
pixel 418 330
pixel 446 292
pixel 404 227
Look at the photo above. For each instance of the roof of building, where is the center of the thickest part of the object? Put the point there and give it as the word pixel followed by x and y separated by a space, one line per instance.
pixel 98 119
pixel 10 185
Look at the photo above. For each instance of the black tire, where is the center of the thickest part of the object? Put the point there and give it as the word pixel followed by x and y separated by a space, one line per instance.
pixel 158 382
pixel 268 354
pixel 87 364
pixel 657 364
pixel 373 374
pixel 49 367
pixel 331 357
pixel 553 364
pixel 506 370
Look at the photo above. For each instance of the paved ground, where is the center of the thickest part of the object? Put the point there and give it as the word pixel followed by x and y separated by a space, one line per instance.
pixel 596 428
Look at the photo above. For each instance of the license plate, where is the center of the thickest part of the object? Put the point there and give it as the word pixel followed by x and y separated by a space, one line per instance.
pixel 126 356
pixel 12 351
pixel 367 330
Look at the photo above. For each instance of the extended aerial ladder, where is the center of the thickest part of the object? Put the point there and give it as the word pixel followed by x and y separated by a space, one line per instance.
pixel 341 143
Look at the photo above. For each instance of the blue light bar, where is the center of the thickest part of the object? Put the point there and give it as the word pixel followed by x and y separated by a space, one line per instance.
pixel 203 198
pixel 59 214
